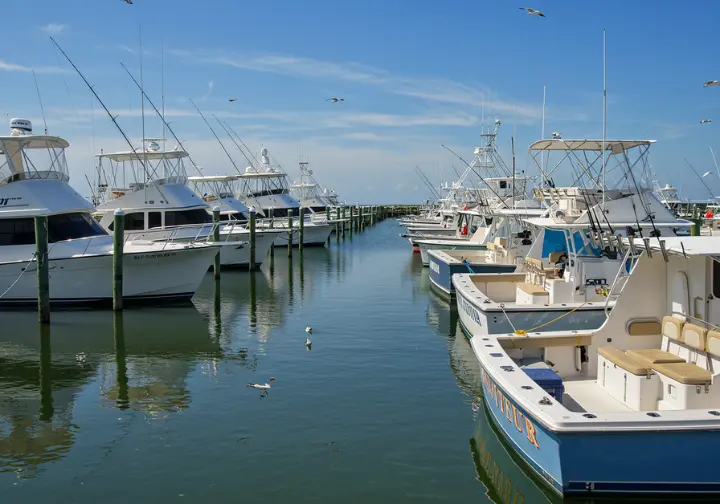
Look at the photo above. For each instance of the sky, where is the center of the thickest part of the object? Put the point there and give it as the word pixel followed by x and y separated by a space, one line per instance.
pixel 415 75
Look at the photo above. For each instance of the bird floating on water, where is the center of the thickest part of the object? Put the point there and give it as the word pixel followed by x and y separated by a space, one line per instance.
pixel 532 12
pixel 263 386
pixel 711 83
pixel 232 99
pixel 335 100
pixel 308 343
pixel 308 330
pixel 128 1
pixel 705 121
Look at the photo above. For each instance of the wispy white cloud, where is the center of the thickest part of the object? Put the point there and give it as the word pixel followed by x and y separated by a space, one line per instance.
pixel 301 120
pixel 13 67
pixel 127 49
pixel 207 95
pixel 424 88
pixel 53 28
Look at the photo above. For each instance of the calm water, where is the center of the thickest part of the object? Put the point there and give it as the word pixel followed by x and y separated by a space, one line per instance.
pixel 153 405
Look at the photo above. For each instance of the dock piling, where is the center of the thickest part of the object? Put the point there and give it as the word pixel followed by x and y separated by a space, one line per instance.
pixel 342 224
pixel 290 237
pixel 118 251
pixel 216 239
pixel 43 271
pixel 252 239
pixel 301 229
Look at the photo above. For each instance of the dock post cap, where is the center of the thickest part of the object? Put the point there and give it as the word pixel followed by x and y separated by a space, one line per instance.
pixel 119 212
pixel 252 209
pixel 216 209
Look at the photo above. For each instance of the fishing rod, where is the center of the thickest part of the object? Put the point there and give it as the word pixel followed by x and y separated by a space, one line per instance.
pixel 426 181
pixel 107 111
pixel 162 117
pixel 243 143
pixel 233 140
pixel 216 137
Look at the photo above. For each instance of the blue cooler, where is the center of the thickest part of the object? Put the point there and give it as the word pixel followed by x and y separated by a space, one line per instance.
pixel 548 380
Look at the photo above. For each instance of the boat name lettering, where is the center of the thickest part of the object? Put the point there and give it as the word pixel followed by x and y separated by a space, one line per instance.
pixel 434 267
pixel 512 414
pixel 470 310
pixel 155 256
pixel 5 201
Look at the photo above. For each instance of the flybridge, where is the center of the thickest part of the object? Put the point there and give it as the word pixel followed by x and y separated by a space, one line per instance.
pixel 25 156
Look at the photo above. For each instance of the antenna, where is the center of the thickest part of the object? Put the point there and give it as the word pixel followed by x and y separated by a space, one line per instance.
pixel 40 100
pixel 142 104
pixel 216 137
pixel 162 85
pixel 715 162
pixel 513 156
pixel 604 131
pixel 542 130
pixel 92 90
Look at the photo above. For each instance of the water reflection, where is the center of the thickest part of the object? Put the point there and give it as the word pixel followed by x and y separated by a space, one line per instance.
pixel 141 359
pixel 504 478
pixel 417 275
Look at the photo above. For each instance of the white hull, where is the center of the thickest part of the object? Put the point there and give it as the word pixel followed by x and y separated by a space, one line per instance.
pixel 235 241
pixel 170 273
pixel 237 253
pixel 460 245
pixel 313 234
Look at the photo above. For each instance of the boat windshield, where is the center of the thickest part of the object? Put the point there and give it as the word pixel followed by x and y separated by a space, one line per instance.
pixel 71 226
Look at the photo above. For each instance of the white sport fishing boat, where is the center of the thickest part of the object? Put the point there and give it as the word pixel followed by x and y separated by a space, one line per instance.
pixel 631 407
pixel 34 182
pixel 565 288
pixel 265 188
pixel 159 206
pixel 509 241
pixel 307 191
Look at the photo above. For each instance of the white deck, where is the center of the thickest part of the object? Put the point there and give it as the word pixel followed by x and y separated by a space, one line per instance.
pixel 585 395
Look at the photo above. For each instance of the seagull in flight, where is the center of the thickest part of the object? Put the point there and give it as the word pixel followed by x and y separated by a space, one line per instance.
pixel 532 12
pixel 335 100
pixel 706 174
pixel 232 99
pixel 706 121
pixel 711 83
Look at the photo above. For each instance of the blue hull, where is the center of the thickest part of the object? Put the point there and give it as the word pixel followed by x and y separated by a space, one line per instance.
pixel 647 462
pixel 441 272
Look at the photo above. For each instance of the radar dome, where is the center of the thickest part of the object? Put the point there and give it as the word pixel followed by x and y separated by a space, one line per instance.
pixel 20 126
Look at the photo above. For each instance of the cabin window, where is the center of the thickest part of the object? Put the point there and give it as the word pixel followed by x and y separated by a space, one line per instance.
pixel 187 217
pixel 503 184
pixel 72 226
pixel 154 220
pixel 135 221
pixel 17 231
pixel 60 227
pixel 716 278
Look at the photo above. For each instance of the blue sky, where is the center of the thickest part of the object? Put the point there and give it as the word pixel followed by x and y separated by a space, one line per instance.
pixel 415 75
